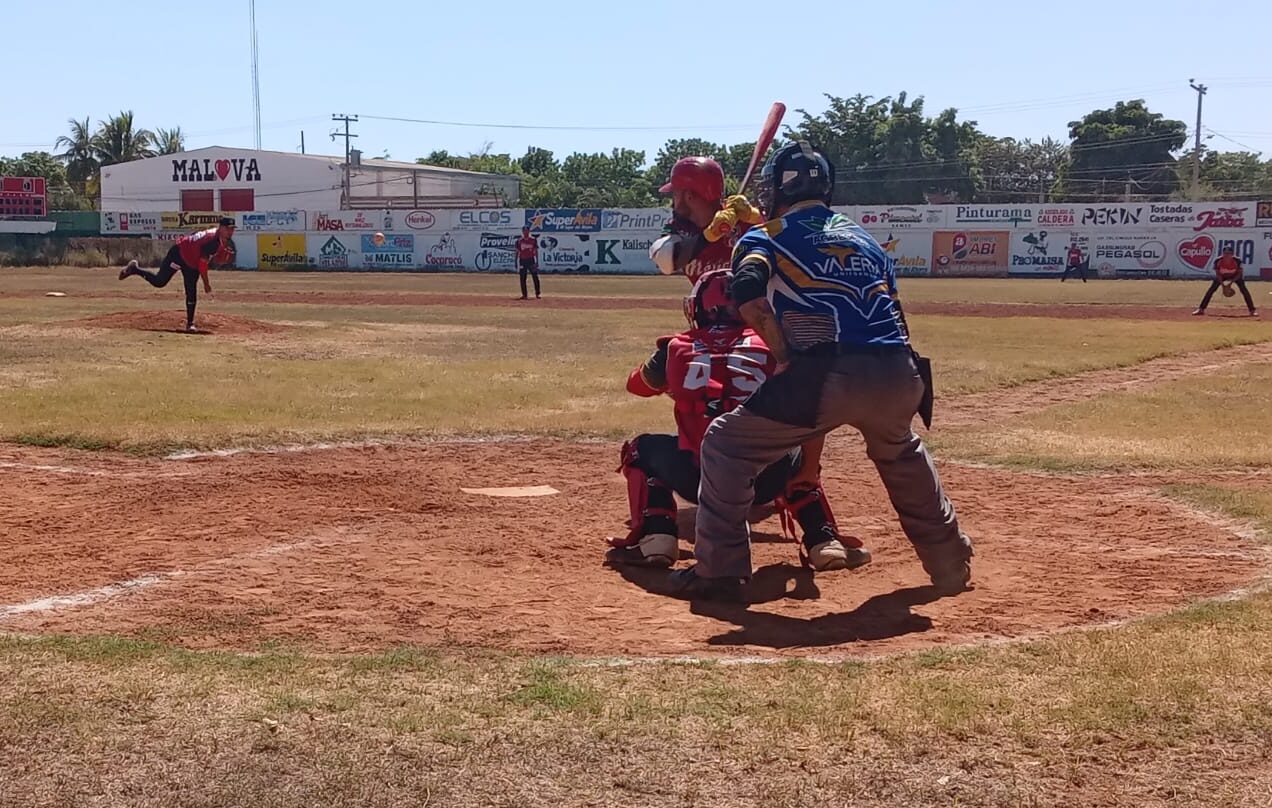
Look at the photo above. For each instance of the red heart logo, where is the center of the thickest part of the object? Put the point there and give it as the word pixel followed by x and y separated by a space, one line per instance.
pixel 222 168
pixel 1197 253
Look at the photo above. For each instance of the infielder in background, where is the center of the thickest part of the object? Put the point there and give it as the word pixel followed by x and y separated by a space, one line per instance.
pixel 707 370
pixel 1228 273
pixel 1074 263
pixel 822 294
pixel 528 261
pixel 191 256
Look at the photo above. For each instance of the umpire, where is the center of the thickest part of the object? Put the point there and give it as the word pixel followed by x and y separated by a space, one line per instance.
pixel 822 293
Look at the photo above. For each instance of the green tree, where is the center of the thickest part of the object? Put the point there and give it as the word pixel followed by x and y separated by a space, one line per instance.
pixel 118 140
pixel 79 153
pixel 1008 170
pixel 1226 175
pixel 888 151
pixel 169 141
pixel 616 179
pixel 1126 143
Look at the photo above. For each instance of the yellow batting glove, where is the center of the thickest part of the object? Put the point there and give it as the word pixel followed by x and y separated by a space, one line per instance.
pixel 745 211
pixel 722 225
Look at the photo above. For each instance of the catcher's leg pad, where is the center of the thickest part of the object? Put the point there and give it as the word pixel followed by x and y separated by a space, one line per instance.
pixel 652 539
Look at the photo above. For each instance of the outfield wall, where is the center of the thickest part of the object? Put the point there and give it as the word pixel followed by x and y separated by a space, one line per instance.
pixel 1132 240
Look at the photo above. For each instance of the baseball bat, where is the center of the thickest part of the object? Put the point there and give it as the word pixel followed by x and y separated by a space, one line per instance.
pixel 767 134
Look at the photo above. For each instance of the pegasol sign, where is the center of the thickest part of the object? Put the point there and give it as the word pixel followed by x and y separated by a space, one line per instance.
pixel 989 214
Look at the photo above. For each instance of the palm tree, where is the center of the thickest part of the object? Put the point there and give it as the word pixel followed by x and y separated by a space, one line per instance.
pixel 80 152
pixel 169 141
pixel 118 141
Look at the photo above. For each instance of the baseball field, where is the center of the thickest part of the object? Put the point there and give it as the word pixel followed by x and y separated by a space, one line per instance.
pixel 345 548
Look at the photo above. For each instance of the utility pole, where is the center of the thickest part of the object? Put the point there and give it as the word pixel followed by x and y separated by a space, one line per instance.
pixel 1196 189
pixel 347 120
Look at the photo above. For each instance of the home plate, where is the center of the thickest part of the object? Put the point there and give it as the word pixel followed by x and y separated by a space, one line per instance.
pixel 516 491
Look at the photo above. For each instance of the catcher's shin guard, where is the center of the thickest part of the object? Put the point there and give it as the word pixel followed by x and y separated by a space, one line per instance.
pixel 823 547
pixel 652 540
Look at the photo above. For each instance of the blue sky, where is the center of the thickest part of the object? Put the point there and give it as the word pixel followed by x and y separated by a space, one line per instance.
pixel 683 69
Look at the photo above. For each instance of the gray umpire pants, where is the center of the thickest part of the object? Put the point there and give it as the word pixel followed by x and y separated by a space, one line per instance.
pixel 876 393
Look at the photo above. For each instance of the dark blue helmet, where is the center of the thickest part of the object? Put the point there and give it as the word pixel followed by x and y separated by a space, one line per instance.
pixel 795 173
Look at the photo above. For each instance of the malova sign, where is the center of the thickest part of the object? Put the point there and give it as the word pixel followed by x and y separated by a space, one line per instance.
pixel 208 170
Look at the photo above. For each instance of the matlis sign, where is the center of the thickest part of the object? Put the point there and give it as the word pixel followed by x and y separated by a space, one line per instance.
pixel 208 170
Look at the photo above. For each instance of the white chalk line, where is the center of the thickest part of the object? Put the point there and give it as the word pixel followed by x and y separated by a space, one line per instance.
pixel 74 600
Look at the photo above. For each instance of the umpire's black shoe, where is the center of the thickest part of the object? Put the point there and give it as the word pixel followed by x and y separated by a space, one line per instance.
pixel 686 584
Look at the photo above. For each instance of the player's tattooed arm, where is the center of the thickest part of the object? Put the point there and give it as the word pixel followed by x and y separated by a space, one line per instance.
pixel 759 315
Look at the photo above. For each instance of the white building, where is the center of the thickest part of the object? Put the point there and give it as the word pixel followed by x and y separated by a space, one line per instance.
pixel 223 179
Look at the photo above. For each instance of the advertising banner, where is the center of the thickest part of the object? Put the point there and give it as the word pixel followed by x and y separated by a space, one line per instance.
pixel 441 252
pixel 334 251
pixel 1195 254
pixel 910 252
pixel 1037 251
pixel 991 215
pixel 651 220
pixel 970 253
pixel 1263 214
pixel 563 220
pixel 281 250
pixel 130 223
pixel 624 252
pixel 189 220
pixel 272 221
pixel 898 217
pixel 1144 254
pixel 339 221
pixel 397 252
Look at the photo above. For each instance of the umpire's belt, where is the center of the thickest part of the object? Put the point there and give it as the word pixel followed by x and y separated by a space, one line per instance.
pixel 847 349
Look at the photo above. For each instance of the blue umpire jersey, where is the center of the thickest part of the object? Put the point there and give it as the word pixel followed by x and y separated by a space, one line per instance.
pixel 829 280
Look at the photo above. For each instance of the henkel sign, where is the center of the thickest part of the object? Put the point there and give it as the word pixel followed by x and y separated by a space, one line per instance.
pixel 420 220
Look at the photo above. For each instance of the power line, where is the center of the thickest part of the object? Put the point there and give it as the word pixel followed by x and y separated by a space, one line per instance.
pixel 561 128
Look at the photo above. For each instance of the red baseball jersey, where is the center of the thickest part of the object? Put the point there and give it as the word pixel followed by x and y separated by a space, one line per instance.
pixel 707 372
pixel 196 248
pixel 705 256
pixel 527 247
pixel 1075 256
pixel 1227 266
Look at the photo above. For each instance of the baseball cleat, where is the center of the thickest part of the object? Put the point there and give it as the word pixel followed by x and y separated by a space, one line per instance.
pixel 128 270
pixel 190 329
pixel 655 550
pixel 832 555
pixel 1199 312
pixel 948 564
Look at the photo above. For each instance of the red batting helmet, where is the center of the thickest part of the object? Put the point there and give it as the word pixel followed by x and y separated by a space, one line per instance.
pixel 701 175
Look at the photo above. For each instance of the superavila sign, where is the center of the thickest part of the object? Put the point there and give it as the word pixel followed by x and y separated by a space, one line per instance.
pixel 208 170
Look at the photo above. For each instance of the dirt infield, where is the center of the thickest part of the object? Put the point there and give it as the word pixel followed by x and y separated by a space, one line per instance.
pixel 164 320
pixel 1067 311
pixel 366 548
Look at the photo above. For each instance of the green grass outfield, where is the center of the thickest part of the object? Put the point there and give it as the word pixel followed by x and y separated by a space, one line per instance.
pixel 1168 711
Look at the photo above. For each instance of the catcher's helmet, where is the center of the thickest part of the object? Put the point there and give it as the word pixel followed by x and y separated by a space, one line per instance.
pixel 710 304
pixel 795 173
pixel 701 175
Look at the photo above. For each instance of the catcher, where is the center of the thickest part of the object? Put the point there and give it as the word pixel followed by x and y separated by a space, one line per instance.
pixel 707 370
pixel 1228 273
pixel 191 256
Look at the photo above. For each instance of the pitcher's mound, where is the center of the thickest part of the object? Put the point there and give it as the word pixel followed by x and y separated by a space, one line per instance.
pixel 227 324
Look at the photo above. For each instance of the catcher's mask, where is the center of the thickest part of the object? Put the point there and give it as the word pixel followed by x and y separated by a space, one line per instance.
pixel 710 303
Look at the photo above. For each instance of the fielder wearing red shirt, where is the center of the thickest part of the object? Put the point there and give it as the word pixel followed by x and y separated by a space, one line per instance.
pixel 709 370
pixel 1074 263
pixel 528 260
pixel 1228 273
pixel 191 256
